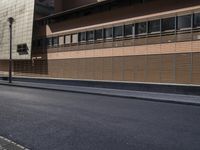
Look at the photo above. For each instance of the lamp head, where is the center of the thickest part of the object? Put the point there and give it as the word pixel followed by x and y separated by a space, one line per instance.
pixel 11 20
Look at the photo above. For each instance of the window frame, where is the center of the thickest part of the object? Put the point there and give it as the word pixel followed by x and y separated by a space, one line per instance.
pixel 108 38
pixel 80 37
pixel 87 34
pixel 102 34
pixel 194 26
pixel 49 42
pixel 70 39
pixel 132 29
pixel 73 37
pixel 184 28
pixel 151 27
pixel 56 39
pixel 122 32
pixel 21 48
pixel 168 30
pixel 136 29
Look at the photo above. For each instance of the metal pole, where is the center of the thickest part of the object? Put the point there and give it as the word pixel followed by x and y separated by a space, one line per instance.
pixel 10 20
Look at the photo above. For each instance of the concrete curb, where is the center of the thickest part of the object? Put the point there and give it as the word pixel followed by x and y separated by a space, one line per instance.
pixel 106 94
pixel 6 144
pixel 185 89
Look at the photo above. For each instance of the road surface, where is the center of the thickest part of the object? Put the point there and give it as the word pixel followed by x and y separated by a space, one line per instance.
pixel 52 120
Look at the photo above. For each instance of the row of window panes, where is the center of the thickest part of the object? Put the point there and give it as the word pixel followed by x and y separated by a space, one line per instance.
pixel 131 30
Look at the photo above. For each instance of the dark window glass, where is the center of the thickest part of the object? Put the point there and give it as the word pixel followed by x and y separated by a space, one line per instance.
pixel 141 28
pixel 108 33
pixel 197 20
pixel 168 24
pixel 184 22
pixel 22 48
pixel 99 34
pixel 128 30
pixel 90 35
pixel 154 26
pixel 82 37
pixel 118 31
pixel 55 41
pixel 49 41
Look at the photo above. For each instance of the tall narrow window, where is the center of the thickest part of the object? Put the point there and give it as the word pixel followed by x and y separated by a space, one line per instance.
pixel 82 37
pixel 118 31
pixel 184 22
pixel 67 39
pixel 74 38
pixel 99 34
pixel 168 24
pixel 154 26
pixel 49 41
pixel 90 36
pixel 61 40
pixel 141 28
pixel 108 33
pixel 55 41
pixel 197 20
pixel 128 30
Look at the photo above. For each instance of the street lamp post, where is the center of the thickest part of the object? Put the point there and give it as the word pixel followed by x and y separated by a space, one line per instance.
pixel 10 20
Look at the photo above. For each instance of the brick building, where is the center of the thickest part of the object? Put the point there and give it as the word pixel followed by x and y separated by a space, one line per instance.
pixel 116 40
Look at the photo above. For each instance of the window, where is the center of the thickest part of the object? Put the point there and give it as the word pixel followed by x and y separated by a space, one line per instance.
pixel 118 31
pixel 184 22
pixel 74 38
pixel 128 30
pixel 108 33
pixel 99 34
pixel 67 39
pixel 154 26
pixel 49 41
pixel 90 35
pixel 22 48
pixel 197 20
pixel 141 28
pixel 61 40
pixel 82 37
pixel 55 41
pixel 168 24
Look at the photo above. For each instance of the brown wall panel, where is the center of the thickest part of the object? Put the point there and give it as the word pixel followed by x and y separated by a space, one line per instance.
pixel 81 68
pixel 184 37
pixel 196 68
pixel 98 68
pixel 89 68
pixel 154 40
pixel 118 68
pixel 183 68
pixel 140 68
pixel 167 68
pixel 129 68
pixel 107 68
pixel 153 68
pixel 170 68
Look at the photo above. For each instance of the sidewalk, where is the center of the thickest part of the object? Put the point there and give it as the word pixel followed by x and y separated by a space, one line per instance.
pixel 148 96
pixel 6 144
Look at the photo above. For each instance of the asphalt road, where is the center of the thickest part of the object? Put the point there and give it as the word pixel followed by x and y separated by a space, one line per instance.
pixel 51 120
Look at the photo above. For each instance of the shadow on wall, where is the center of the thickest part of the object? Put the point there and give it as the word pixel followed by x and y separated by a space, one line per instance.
pixel 38 64
pixel 3 68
